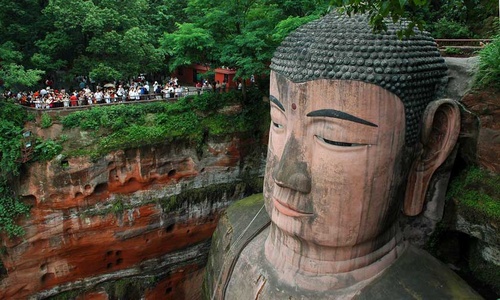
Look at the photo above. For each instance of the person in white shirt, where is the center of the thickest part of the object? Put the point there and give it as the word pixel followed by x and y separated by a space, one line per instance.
pixel 178 91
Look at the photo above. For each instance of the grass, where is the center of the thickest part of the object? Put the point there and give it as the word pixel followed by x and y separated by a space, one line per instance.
pixel 488 74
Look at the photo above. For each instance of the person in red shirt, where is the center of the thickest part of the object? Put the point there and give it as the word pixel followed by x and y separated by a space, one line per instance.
pixel 73 99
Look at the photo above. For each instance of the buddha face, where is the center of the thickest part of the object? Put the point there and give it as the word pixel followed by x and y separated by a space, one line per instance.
pixel 334 165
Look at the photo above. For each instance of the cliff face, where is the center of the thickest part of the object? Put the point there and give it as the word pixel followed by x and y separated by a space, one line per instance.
pixel 135 222
pixel 486 105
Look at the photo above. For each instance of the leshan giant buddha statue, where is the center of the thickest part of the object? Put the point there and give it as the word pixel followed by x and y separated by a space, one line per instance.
pixel 357 132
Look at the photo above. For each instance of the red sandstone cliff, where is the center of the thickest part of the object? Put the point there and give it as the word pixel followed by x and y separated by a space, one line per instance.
pixel 135 222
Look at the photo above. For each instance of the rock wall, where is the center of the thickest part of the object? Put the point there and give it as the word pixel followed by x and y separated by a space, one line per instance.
pixel 135 222
pixel 475 243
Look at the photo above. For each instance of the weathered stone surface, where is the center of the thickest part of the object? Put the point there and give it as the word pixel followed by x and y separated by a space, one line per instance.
pixel 488 233
pixel 486 105
pixel 489 149
pixel 133 213
pixel 484 250
pixel 460 72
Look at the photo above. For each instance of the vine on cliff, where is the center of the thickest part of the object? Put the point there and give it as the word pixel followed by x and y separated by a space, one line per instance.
pixel 12 119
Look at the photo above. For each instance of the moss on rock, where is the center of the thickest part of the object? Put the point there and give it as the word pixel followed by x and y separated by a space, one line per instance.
pixel 476 193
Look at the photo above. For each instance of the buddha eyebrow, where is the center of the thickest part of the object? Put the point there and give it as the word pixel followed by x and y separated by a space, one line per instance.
pixel 277 102
pixel 331 113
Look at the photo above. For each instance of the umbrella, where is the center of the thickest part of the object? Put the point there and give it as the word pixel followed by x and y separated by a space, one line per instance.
pixel 109 85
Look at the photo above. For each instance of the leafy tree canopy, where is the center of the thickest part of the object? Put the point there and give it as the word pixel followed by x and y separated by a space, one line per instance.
pixel 113 39
pixel 104 38
pixel 379 10
pixel 236 34
pixel 13 73
pixel 443 18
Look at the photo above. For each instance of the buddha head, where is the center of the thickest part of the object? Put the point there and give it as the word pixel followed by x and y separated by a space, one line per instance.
pixel 357 131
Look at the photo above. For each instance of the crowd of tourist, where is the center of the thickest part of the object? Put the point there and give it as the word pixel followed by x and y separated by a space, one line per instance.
pixel 48 97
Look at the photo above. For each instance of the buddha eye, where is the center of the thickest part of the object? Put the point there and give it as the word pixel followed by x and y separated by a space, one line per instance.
pixel 336 143
pixel 279 126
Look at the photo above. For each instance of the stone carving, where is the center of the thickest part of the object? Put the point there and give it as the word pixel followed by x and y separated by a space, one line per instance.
pixel 356 134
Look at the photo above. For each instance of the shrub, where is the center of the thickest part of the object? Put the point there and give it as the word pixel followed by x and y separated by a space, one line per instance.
pixel 46 121
pixel 450 29
pixel 31 117
pixel 189 118
pixel 488 74
pixel 452 51
pixel 46 150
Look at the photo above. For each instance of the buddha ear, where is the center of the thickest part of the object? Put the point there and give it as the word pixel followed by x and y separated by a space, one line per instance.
pixel 440 129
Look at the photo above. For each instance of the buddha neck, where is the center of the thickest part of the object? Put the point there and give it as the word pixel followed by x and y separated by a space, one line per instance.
pixel 303 264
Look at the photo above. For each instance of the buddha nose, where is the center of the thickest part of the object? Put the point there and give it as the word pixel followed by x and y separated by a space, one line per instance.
pixel 291 171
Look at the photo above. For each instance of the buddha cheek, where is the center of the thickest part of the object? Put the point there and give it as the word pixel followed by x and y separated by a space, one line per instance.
pixel 272 162
pixel 333 204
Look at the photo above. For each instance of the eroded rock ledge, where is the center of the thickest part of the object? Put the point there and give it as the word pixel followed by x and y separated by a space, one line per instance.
pixel 137 221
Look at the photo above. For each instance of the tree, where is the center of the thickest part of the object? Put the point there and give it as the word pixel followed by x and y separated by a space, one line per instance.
pixel 13 74
pixel 239 34
pixel 396 10
pixel 22 23
pixel 462 18
pixel 103 38
pixel 444 18
pixel 188 45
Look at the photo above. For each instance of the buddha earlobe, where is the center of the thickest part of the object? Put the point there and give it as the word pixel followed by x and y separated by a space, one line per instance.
pixel 440 129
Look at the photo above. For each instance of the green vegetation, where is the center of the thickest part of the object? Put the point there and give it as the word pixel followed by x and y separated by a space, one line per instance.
pixel 189 119
pixel 117 206
pixel 46 121
pixel 488 74
pixel 130 288
pixel 379 10
pixel 107 40
pixel 11 126
pixel 477 195
pixel 12 119
pixel 452 51
pixel 10 209
pixel 238 34
pixel 171 203
pixel 12 72
pixel 443 18
pixel 445 28
pixel 47 149
pixel 212 192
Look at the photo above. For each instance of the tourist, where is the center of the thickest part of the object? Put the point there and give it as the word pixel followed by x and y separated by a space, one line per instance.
pixel 66 101
pixel 120 92
pixel 107 97
pixel 74 98
pixel 178 91
pixel 198 87
pixel 99 95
